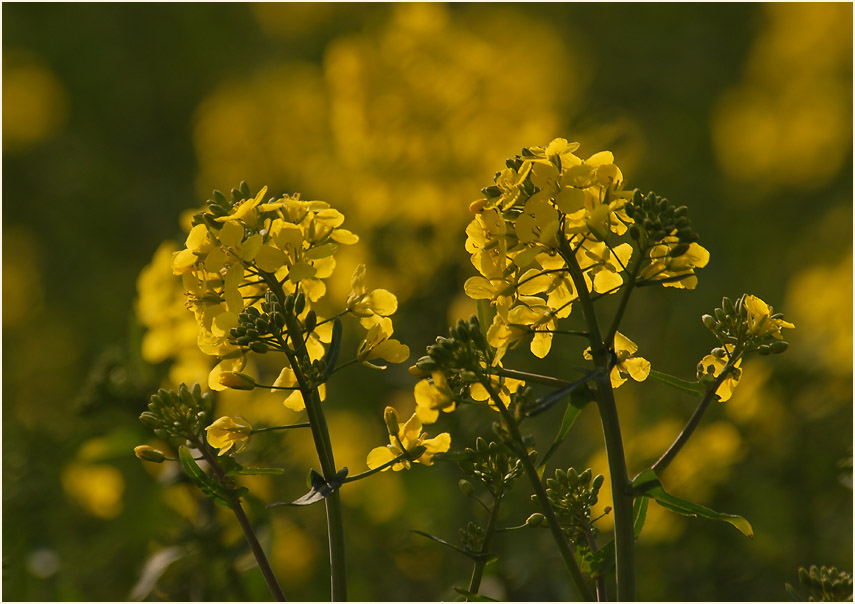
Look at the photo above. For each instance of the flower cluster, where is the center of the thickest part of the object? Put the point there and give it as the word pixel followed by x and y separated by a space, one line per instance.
pixel 746 326
pixel 407 443
pixel 253 271
pixel 550 209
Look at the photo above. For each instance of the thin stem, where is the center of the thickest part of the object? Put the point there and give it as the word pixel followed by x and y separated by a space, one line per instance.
pixel 628 286
pixel 540 493
pixel 621 493
pixel 669 455
pixel 529 377
pixel 323 446
pixel 289 427
pixel 246 527
pixel 391 462
pixel 489 531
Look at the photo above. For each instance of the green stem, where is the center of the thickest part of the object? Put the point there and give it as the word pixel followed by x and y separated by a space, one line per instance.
pixel 693 422
pixel 323 446
pixel 271 428
pixel 489 531
pixel 540 493
pixel 621 492
pixel 391 462
pixel 529 377
pixel 246 527
pixel 628 286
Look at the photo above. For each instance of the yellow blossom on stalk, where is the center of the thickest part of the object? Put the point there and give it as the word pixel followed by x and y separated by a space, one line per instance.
pixel 288 380
pixel 760 321
pixel 408 438
pixel 432 396
pixel 364 303
pixel 675 272
pixel 627 364
pixel 532 315
pixel 604 265
pixel 378 344
pixel 229 433
pixel 713 365
pixel 503 387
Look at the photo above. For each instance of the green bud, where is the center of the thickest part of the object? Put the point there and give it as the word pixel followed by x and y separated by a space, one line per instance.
pixel 299 303
pixel 259 347
pixel 311 320
pixel 764 349
pixel 288 305
pixel 727 305
pixel 466 487
pixel 491 191
pixel 416 452
pixel 236 196
pixel 244 189
pixel 634 232
pixel 149 419
pixel 720 316
pixel 598 482
pixel 237 380
pixel 146 453
pixel 390 416
pixel 535 519
pixel 778 346
pixel 709 322
pixel 719 353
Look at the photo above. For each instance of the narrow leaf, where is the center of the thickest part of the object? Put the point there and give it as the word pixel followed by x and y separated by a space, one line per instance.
pixel 475 556
pixel 320 488
pixel 677 383
pixel 577 403
pixel 639 514
pixel 208 485
pixel 473 597
pixel 648 483
pixel 550 399
pixel 335 346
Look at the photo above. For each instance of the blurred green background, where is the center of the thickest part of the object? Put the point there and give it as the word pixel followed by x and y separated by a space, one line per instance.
pixel 119 118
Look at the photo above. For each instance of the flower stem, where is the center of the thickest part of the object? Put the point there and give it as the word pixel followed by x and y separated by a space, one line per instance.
pixel 621 493
pixel 669 455
pixel 489 531
pixel 540 493
pixel 246 527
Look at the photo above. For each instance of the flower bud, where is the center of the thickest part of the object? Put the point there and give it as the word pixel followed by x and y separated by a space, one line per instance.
pixel 259 347
pixel 466 487
pixel 727 305
pixel 149 419
pixel 778 346
pixel 535 519
pixel 764 349
pixel 719 353
pixel 236 380
pixel 146 453
pixel 390 416
pixel 311 320
pixel 299 303
pixel 709 322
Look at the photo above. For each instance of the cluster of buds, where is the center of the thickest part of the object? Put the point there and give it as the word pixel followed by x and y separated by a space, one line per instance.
pixel 655 218
pixel 826 584
pixel 181 415
pixel 465 349
pixel 573 495
pixel 492 464
pixel 472 537
pixel 747 325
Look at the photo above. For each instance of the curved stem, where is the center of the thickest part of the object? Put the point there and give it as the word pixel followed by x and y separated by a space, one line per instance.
pixel 272 428
pixel 246 527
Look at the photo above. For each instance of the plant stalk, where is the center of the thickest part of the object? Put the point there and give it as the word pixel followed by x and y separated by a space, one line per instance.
pixel 489 531
pixel 621 493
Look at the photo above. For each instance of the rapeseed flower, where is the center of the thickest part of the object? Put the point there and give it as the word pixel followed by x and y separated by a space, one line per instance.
pixel 229 434
pixel 408 438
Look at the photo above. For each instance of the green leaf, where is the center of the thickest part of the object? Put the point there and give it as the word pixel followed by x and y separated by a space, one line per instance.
pixel 335 346
pixel 677 383
pixel 578 400
pixel 473 597
pixel 206 484
pixel 639 514
pixel 320 489
pixel 475 556
pixel 647 483
pixel 231 466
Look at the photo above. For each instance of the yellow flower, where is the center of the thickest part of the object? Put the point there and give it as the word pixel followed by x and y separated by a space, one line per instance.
pixel 713 365
pixel 409 438
pixel 504 387
pixel 432 396
pixel 378 344
pixel 760 321
pixel 363 303
pixel 229 433
pixel 627 365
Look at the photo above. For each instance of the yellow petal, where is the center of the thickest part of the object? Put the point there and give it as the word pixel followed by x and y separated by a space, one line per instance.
pixel 380 455
pixel 295 401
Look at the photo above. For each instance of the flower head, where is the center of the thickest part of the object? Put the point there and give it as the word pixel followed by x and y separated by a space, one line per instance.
pixel 761 322
pixel 229 433
pixel 714 364
pixel 627 364
pixel 407 438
